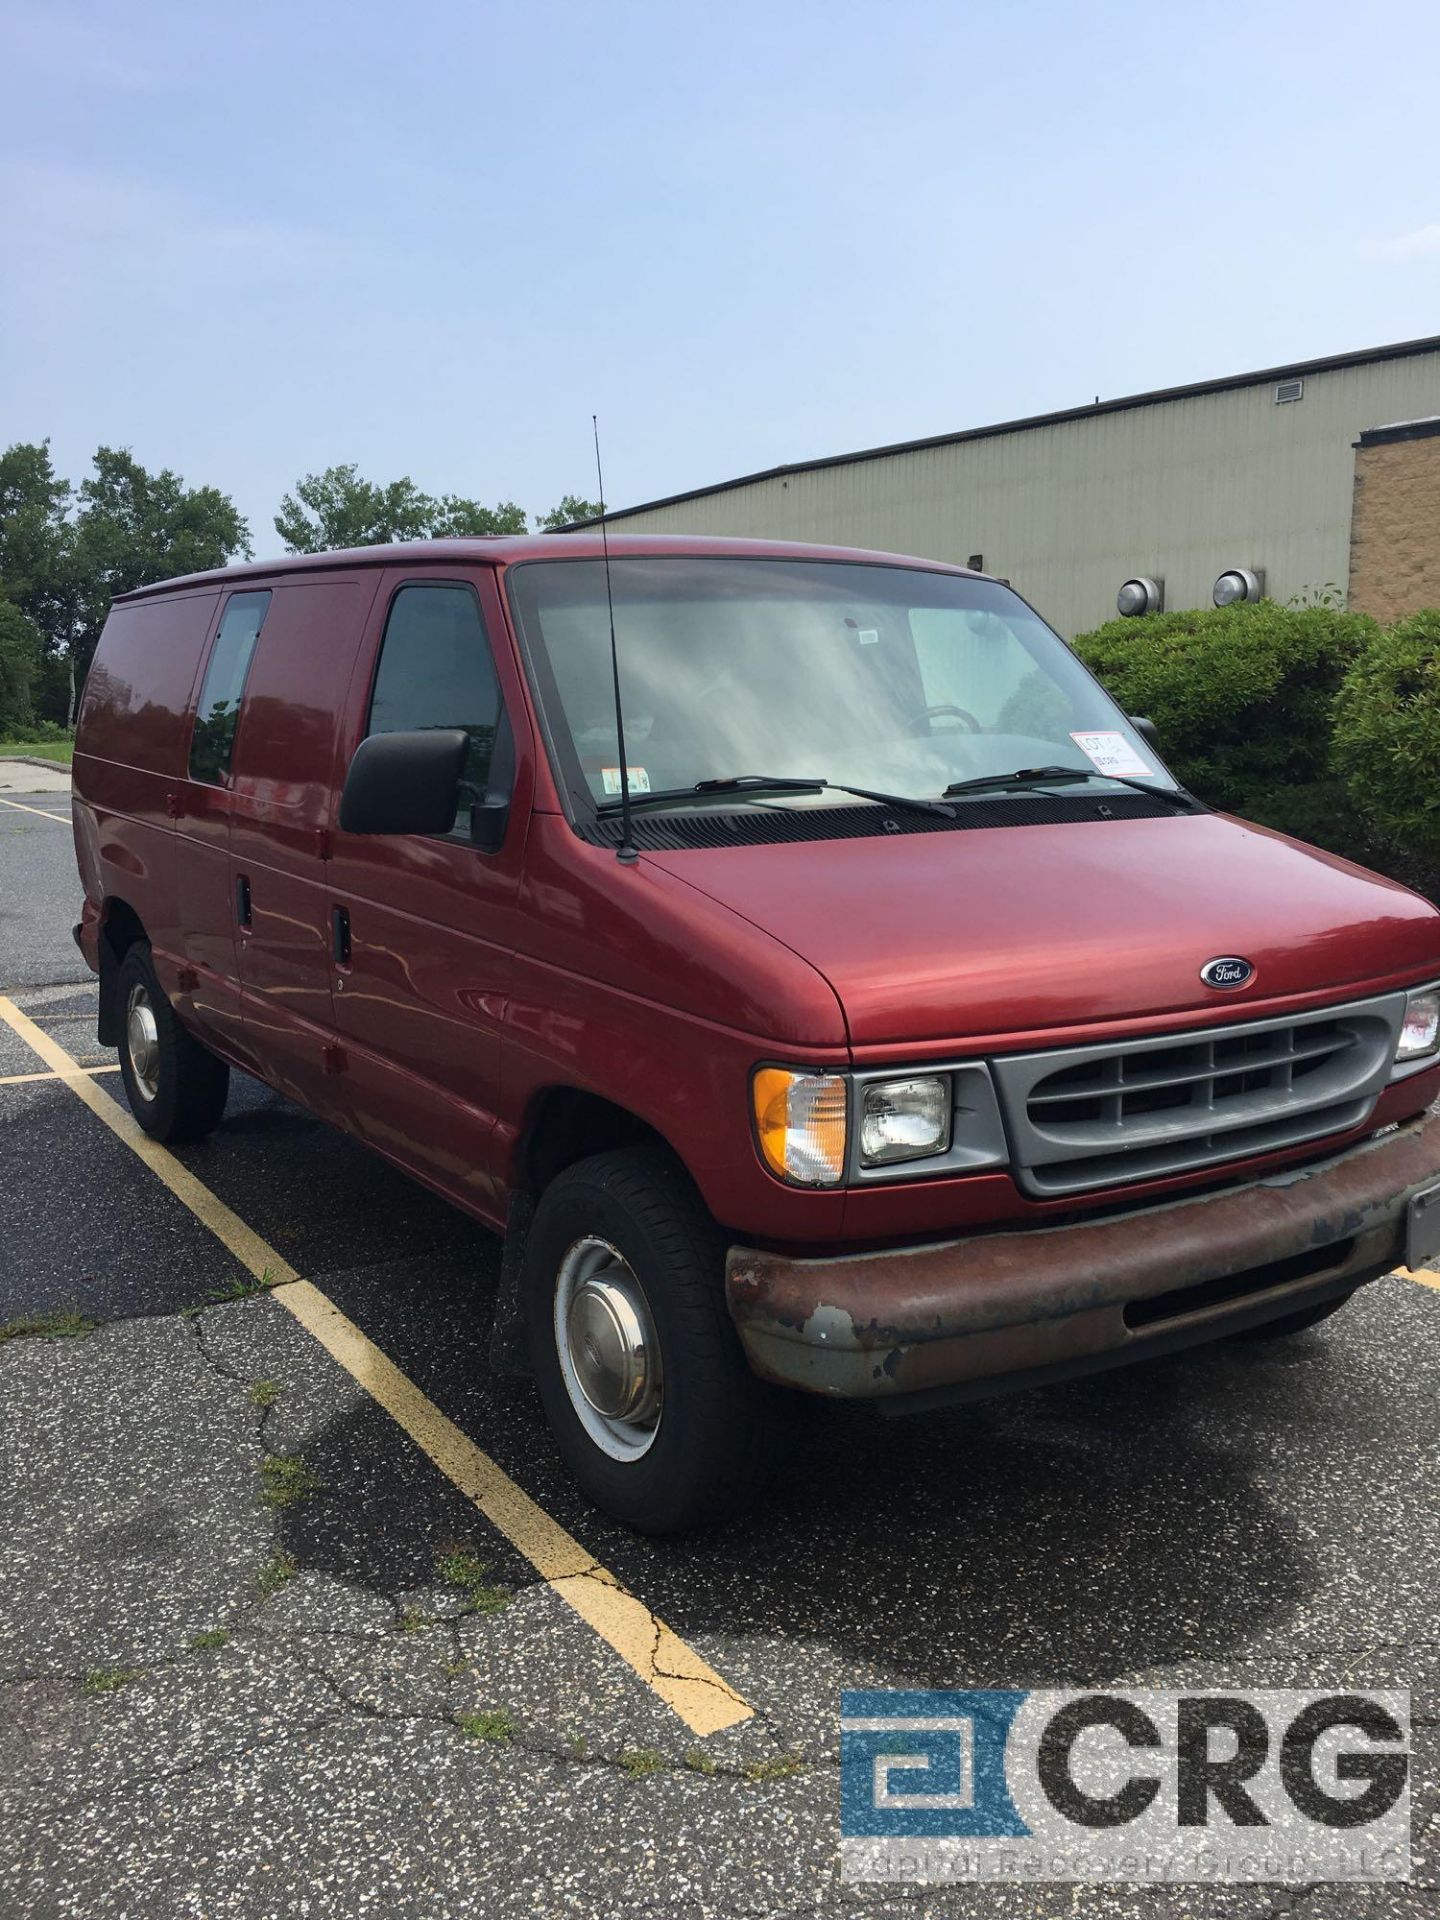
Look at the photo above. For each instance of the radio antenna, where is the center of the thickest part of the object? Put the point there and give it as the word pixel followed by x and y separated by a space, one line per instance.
pixel 626 849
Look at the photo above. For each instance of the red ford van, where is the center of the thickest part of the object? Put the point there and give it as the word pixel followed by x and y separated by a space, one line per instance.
pixel 893 1026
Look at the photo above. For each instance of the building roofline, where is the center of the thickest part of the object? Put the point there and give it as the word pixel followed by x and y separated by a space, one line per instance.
pixel 1425 429
pixel 1298 369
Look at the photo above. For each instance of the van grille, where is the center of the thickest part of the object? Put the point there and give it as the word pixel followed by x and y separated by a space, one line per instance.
pixel 1086 1117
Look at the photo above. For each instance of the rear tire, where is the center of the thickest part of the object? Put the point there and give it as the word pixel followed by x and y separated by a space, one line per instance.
pixel 1294 1322
pixel 624 1300
pixel 176 1088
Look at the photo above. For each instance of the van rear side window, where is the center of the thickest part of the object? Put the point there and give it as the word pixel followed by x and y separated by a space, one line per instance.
pixel 213 741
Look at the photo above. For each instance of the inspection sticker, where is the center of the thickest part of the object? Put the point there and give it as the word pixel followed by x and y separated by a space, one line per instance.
pixel 639 779
pixel 1111 753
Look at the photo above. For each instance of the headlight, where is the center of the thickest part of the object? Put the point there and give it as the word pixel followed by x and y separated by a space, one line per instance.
pixel 904 1120
pixel 1420 1031
pixel 800 1122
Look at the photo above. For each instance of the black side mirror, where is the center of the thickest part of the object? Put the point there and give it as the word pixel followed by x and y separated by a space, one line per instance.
pixel 405 782
pixel 1146 729
pixel 490 810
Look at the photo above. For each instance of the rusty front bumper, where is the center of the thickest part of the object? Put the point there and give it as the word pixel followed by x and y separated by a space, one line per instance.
pixel 974 1316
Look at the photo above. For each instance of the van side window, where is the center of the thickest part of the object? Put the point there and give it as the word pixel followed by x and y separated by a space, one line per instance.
pixel 436 671
pixel 213 741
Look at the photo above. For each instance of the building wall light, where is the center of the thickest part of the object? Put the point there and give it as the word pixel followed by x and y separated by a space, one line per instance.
pixel 1140 595
pixel 1236 584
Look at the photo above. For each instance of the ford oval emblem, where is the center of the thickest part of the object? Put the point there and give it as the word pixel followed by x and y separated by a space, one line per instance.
pixel 1228 971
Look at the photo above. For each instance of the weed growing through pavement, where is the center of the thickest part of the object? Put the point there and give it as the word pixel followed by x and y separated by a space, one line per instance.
pixel 413 1621
pixel 285 1480
pixel 67 1325
pixel 496 1723
pixel 699 1762
pixel 781 1766
pixel 279 1568
pixel 264 1393
pixel 459 1567
pixel 108 1679
pixel 210 1641
pixel 243 1288
pixel 640 1761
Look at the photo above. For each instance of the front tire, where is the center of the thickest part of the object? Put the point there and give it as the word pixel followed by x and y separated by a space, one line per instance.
pixel 176 1088
pixel 639 1368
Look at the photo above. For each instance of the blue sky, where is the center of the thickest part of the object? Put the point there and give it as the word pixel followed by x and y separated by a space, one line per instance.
pixel 250 241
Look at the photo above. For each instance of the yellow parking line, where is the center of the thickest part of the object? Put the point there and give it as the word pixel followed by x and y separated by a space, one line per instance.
pixel 674 1671
pixel 27 1079
pixel 1422 1274
pixel 60 819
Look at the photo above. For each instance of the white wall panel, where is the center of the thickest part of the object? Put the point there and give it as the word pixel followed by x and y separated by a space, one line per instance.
pixel 1179 488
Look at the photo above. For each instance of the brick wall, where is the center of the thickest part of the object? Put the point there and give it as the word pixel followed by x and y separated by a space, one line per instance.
pixel 1395 524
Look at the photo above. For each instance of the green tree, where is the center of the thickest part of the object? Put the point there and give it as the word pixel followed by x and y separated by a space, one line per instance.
pixel 134 527
pixel 570 509
pixel 66 552
pixel 35 534
pixel 337 508
pixel 20 651
pixel 455 517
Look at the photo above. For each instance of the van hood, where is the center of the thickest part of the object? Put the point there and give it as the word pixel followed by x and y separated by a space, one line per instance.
pixel 1010 932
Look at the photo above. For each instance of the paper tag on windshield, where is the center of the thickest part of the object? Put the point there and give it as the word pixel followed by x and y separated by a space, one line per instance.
pixel 639 779
pixel 1112 753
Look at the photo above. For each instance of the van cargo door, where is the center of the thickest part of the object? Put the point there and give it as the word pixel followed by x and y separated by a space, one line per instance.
pixel 280 818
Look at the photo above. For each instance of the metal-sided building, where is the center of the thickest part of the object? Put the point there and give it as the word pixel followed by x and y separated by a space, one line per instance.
pixel 1321 475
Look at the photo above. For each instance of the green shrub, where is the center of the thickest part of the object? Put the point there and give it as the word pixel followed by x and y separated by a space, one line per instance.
pixel 1387 743
pixel 1244 701
pixel 43 733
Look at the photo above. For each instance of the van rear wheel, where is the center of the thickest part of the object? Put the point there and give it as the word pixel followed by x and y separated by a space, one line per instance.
pixel 639 1368
pixel 176 1088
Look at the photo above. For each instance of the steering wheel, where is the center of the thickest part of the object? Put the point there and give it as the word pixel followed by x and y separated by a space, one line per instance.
pixel 972 725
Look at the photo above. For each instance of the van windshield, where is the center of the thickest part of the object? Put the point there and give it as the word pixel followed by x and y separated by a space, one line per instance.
pixel 873 676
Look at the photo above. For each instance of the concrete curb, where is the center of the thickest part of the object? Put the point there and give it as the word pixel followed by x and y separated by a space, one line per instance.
pixel 34 760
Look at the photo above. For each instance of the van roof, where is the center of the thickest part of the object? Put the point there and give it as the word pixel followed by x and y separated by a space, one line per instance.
pixel 508 549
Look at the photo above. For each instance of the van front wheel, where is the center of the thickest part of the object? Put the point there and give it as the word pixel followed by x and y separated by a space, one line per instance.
pixel 176 1088
pixel 638 1365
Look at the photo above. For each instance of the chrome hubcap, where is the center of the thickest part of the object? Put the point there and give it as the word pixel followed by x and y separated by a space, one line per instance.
pixel 142 1042
pixel 608 1349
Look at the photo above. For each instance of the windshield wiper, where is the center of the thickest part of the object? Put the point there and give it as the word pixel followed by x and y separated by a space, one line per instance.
pixel 758 783
pixel 1054 776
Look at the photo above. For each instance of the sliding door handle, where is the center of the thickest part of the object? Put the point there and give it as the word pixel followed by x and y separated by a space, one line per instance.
pixel 340 935
pixel 242 899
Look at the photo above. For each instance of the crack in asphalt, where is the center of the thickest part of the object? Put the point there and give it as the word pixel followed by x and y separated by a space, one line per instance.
pixel 205 1763
pixel 611 1761
pixel 653 1670
pixel 284 1645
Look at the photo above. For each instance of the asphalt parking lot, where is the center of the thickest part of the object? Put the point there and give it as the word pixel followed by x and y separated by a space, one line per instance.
pixel 280 1636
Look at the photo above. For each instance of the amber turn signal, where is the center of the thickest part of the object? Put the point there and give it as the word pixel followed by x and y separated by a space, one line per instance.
pixel 800 1121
